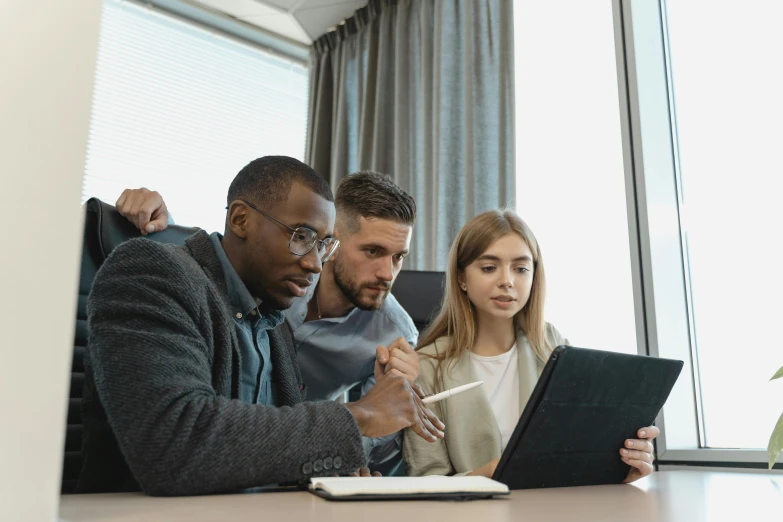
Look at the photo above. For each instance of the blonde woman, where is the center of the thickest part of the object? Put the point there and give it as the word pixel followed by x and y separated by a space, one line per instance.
pixel 491 327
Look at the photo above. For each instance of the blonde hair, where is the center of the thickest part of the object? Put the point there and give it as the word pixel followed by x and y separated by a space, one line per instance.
pixel 456 321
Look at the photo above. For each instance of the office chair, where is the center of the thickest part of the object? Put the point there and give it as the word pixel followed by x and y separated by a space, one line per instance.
pixel 420 294
pixel 104 230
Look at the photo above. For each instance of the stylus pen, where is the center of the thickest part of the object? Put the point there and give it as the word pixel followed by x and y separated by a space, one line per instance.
pixel 448 393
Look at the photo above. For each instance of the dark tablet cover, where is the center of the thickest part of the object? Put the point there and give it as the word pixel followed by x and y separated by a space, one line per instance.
pixel 585 405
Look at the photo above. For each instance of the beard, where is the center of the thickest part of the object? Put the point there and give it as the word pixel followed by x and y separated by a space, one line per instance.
pixel 353 290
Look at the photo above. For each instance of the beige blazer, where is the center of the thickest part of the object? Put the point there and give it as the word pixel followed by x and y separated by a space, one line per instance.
pixel 472 436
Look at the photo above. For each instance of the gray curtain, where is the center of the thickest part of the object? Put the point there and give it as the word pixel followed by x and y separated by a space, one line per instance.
pixel 422 90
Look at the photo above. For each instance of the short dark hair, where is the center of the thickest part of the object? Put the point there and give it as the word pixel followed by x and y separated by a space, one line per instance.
pixel 372 195
pixel 267 181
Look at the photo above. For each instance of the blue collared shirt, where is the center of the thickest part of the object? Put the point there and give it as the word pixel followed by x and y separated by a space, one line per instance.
pixel 338 353
pixel 256 386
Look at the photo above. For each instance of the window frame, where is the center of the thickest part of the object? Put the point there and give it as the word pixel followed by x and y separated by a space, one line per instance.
pixel 659 248
pixel 228 27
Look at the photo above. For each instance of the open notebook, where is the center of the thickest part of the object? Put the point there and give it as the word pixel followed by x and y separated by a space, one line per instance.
pixel 406 488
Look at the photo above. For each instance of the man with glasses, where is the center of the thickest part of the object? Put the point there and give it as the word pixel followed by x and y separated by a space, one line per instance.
pixel 190 386
pixel 348 318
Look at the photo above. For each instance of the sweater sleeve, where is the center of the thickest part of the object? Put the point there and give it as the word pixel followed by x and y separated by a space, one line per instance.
pixel 150 338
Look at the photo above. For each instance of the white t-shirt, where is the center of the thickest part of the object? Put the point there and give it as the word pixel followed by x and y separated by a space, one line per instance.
pixel 501 386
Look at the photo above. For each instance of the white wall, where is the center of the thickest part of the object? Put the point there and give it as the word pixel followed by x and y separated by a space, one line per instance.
pixel 570 177
pixel 47 61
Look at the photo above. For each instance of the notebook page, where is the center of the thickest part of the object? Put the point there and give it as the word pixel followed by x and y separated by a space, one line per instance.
pixel 349 486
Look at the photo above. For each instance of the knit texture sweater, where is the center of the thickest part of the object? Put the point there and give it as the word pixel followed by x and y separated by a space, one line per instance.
pixel 161 401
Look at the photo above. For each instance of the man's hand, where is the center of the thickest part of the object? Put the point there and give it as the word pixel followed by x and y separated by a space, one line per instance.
pixel 638 453
pixel 394 403
pixel 487 470
pixel 144 208
pixel 365 472
pixel 399 358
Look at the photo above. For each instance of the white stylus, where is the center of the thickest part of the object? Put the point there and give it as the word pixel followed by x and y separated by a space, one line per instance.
pixel 448 393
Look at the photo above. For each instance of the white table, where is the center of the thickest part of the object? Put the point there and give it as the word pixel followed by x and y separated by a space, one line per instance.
pixel 670 496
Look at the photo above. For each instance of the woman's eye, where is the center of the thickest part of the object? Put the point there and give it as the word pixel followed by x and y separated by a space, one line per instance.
pixel 487 269
pixel 522 269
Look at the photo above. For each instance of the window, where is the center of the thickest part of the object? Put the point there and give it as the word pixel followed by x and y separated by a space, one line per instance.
pixel 570 177
pixel 702 120
pixel 728 111
pixel 180 109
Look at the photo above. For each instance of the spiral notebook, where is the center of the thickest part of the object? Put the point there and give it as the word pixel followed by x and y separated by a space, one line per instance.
pixel 435 487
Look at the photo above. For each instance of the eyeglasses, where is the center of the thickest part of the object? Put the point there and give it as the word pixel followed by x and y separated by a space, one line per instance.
pixel 304 239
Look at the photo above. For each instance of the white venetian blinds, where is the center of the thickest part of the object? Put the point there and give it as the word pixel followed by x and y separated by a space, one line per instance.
pixel 181 109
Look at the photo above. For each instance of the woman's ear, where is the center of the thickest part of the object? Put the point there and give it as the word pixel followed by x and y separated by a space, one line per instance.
pixel 461 280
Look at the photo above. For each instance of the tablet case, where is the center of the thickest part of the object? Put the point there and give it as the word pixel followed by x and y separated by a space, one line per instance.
pixel 585 405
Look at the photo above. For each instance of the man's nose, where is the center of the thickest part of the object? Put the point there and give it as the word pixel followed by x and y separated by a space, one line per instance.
pixel 311 262
pixel 385 270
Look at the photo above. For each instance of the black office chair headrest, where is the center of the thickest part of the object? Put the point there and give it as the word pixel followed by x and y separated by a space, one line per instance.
pixel 420 294
pixel 113 229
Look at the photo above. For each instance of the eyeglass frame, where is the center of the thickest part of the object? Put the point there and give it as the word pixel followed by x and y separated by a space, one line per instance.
pixel 334 241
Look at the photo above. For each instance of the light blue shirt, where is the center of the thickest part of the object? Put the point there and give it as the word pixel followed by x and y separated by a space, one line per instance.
pixel 338 353
pixel 251 327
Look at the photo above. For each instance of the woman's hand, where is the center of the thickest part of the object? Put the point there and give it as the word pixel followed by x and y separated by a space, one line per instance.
pixel 487 470
pixel 638 453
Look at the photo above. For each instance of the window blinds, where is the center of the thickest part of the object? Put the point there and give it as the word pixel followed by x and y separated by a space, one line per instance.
pixel 181 109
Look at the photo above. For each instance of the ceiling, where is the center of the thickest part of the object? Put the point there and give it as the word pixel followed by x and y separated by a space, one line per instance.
pixel 302 21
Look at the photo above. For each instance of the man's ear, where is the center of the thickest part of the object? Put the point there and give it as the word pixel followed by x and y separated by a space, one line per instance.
pixel 238 219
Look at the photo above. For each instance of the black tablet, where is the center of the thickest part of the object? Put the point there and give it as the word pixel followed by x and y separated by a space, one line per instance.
pixel 585 405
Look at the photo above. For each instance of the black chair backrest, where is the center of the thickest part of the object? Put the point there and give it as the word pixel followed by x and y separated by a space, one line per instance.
pixel 420 294
pixel 104 230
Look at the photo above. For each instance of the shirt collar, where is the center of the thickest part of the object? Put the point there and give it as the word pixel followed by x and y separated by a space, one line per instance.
pixel 242 302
